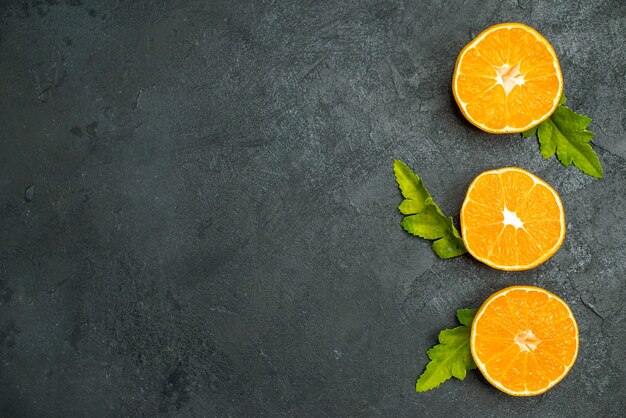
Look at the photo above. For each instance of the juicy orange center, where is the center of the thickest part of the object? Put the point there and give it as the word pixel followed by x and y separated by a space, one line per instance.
pixel 511 218
pixel 509 76
pixel 527 341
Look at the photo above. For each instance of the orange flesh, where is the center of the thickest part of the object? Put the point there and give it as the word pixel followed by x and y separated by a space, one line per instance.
pixel 511 219
pixel 508 79
pixel 524 340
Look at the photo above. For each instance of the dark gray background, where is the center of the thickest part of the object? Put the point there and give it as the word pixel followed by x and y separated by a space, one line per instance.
pixel 198 211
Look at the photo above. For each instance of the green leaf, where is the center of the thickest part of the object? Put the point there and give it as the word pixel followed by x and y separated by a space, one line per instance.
pixel 424 218
pixel 564 133
pixel 430 223
pixel 410 207
pixel 451 357
pixel 449 246
pixel 410 184
pixel 465 316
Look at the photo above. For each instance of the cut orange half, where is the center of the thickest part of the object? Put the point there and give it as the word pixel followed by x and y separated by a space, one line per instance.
pixel 507 79
pixel 524 340
pixel 511 219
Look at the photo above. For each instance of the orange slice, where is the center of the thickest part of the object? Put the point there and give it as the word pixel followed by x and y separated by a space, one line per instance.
pixel 507 79
pixel 524 340
pixel 511 219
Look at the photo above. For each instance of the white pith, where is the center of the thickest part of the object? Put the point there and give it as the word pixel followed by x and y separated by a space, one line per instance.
pixel 526 341
pixel 509 76
pixel 511 218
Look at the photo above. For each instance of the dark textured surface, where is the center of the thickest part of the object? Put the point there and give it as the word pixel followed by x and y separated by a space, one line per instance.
pixel 198 212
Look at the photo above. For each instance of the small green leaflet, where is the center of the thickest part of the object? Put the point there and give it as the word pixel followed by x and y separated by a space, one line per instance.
pixel 565 133
pixel 424 218
pixel 451 357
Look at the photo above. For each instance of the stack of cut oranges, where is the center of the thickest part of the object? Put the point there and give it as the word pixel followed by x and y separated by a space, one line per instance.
pixel 524 339
pixel 508 79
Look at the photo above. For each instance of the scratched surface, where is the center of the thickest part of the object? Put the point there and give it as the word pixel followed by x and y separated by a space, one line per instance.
pixel 198 213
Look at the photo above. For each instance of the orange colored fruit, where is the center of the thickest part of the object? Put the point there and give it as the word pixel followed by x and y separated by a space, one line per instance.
pixel 511 219
pixel 524 340
pixel 507 79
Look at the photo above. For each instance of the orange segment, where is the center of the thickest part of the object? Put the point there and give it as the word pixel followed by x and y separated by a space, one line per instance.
pixel 511 219
pixel 524 340
pixel 507 79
